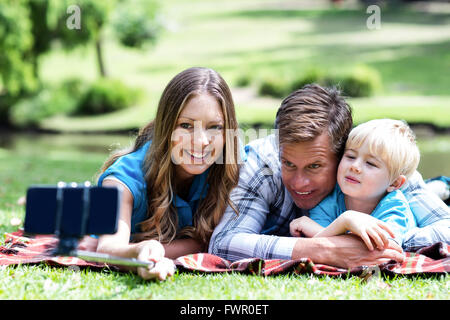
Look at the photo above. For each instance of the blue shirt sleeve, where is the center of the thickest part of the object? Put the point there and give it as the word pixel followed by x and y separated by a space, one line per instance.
pixel 394 210
pixel 128 169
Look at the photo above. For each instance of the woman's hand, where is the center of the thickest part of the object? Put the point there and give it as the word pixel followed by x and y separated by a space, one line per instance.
pixel 88 243
pixel 152 250
pixel 371 230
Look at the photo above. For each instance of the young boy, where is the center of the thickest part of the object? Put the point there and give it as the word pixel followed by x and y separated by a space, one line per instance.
pixel 379 157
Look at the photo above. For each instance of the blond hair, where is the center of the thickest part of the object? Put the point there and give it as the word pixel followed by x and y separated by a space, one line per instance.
pixel 392 141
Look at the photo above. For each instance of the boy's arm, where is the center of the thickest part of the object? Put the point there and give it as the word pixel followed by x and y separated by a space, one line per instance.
pixel 370 229
pixel 304 226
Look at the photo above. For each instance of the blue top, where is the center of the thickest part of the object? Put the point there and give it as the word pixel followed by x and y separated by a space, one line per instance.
pixel 393 209
pixel 128 169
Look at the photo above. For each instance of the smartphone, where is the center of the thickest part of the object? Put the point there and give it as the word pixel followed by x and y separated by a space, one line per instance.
pixel 72 211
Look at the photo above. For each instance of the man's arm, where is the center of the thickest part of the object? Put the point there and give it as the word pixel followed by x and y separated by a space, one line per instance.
pixel 345 251
pixel 260 200
pixel 431 213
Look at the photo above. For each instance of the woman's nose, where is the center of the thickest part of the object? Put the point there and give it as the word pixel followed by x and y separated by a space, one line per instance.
pixel 201 137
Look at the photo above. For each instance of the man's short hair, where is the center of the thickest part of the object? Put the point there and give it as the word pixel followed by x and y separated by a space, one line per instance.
pixel 392 141
pixel 312 110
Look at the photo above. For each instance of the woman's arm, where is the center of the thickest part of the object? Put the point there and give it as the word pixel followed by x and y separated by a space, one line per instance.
pixel 118 244
pixel 182 247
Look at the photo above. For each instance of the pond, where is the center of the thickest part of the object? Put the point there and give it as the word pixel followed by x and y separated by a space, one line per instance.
pixel 435 149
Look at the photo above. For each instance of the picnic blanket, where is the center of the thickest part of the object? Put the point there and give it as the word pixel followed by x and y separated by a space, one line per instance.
pixel 19 248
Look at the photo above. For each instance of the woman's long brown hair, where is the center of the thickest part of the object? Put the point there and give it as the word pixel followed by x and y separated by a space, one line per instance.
pixel 159 170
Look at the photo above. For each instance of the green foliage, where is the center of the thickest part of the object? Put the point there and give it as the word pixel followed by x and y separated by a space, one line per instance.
pixel 16 41
pixel 314 75
pixel 93 16
pixel 48 102
pixel 137 22
pixel 274 86
pixel 361 82
pixel 243 80
pixel 106 95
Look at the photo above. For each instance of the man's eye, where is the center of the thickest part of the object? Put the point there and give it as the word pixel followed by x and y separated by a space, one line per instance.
pixel 288 164
pixel 314 166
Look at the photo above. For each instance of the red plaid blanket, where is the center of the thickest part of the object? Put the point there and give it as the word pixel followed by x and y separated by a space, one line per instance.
pixel 20 249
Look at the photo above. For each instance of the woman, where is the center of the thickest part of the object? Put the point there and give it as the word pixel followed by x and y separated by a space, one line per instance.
pixel 177 178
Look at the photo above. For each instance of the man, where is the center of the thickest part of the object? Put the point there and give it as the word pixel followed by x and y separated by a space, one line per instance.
pixel 286 175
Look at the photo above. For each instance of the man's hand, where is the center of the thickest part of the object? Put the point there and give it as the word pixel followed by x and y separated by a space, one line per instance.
pixel 345 251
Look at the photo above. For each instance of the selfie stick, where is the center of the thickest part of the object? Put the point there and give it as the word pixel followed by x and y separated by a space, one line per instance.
pixel 67 244
pixel 106 258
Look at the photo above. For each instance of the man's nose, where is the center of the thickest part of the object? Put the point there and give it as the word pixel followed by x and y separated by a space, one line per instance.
pixel 300 181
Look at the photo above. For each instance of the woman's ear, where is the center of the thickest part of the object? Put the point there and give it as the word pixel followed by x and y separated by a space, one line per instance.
pixel 398 183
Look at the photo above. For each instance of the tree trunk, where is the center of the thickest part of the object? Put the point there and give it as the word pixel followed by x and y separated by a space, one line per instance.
pixel 98 49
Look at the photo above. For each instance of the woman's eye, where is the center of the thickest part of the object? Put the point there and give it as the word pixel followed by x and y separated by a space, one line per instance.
pixel 185 125
pixel 216 127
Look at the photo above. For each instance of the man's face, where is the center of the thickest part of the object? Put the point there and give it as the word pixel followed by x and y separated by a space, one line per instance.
pixel 308 170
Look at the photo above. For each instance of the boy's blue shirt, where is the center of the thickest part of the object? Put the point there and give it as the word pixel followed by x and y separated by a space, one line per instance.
pixel 393 209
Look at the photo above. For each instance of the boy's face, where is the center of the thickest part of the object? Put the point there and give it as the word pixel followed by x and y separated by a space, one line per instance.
pixel 363 176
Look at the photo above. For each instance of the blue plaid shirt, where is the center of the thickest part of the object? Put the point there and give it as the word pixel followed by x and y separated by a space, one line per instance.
pixel 266 208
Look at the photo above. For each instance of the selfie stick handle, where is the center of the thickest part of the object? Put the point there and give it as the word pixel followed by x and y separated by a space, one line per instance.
pixel 106 258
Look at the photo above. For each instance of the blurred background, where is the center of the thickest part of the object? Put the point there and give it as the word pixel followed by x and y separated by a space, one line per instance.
pixel 79 77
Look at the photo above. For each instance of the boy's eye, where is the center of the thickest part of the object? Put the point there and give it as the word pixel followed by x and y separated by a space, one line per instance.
pixel 372 164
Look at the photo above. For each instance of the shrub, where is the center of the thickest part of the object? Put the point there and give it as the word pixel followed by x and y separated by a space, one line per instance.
pixel 46 103
pixel 311 76
pixel 243 80
pixel 273 86
pixel 106 95
pixel 361 82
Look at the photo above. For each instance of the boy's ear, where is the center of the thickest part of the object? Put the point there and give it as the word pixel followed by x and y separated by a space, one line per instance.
pixel 398 183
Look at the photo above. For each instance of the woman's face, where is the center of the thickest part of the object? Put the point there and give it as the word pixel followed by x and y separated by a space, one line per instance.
pixel 198 138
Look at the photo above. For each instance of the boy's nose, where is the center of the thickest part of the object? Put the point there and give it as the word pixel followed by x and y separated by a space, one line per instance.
pixel 355 167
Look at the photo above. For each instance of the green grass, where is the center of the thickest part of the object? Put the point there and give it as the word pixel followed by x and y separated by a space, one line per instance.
pixel 256 38
pixel 45 282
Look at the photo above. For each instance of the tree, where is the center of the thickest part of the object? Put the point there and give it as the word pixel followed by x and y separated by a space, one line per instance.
pixel 16 58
